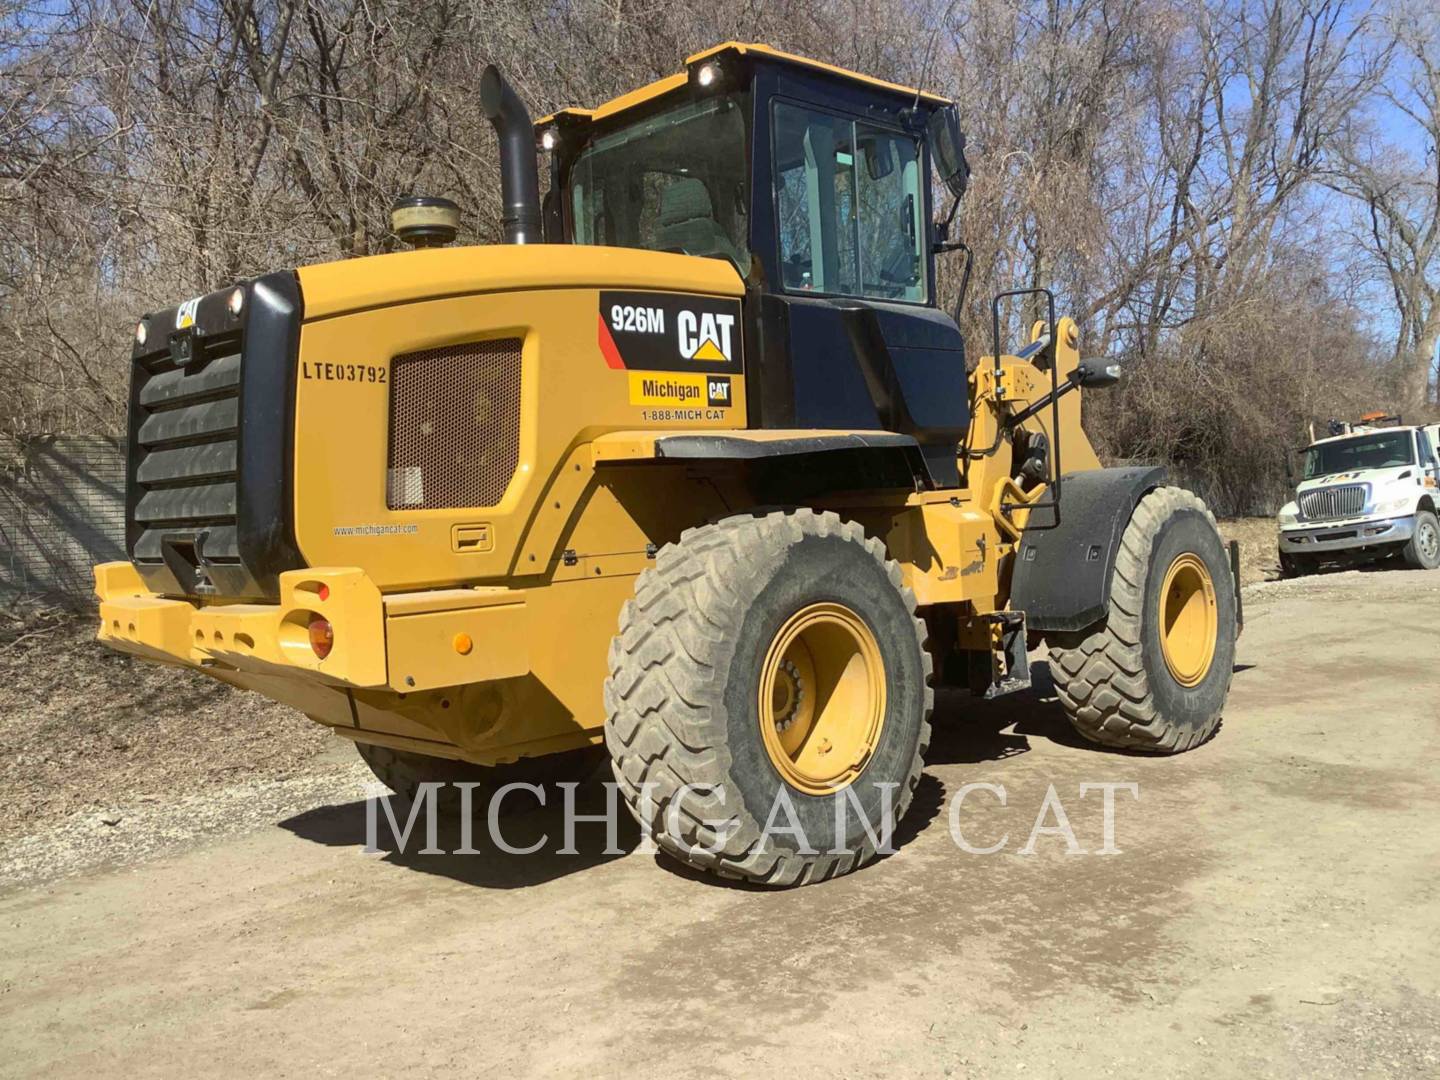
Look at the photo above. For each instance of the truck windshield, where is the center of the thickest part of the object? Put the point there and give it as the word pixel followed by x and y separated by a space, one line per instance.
pixel 1381 450
pixel 676 181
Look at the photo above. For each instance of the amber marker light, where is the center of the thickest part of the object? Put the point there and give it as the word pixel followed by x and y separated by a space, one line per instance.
pixel 322 636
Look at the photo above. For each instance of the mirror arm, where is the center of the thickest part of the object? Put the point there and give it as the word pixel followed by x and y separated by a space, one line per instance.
pixel 1085 374
pixel 943 245
pixel 959 308
pixel 942 230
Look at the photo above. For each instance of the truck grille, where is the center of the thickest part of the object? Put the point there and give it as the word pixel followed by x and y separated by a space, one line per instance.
pixel 454 425
pixel 185 451
pixel 1342 501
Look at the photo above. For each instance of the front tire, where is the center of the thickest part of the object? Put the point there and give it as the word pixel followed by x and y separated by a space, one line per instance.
pixel 1154 675
pixel 765 659
pixel 1293 566
pixel 1423 550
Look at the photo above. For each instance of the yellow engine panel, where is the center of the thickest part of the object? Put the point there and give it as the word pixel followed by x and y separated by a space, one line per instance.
pixel 573 386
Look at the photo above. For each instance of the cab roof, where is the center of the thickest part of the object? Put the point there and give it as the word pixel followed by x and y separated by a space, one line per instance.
pixel 673 82
pixel 1361 431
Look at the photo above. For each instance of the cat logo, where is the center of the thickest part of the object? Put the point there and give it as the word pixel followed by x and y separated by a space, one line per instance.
pixel 675 332
pixel 718 391
pixel 185 314
pixel 705 336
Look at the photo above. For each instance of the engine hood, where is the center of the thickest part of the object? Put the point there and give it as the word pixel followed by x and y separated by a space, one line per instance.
pixel 1376 478
pixel 405 276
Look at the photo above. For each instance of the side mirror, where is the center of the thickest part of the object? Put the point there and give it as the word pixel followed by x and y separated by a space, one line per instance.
pixel 947 148
pixel 1289 469
pixel 1093 374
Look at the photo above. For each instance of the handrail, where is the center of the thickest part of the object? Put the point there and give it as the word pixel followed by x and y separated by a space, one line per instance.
pixel 1004 424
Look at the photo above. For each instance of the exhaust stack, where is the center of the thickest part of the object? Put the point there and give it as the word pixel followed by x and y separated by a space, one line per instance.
pixel 519 179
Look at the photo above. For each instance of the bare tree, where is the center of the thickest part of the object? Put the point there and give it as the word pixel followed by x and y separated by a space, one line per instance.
pixel 1156 162
pixel 1398 189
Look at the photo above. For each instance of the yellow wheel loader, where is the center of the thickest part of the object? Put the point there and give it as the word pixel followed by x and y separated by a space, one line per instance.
pixel 691 468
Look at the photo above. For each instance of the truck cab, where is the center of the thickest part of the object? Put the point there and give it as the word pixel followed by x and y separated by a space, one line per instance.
pixel 1365 493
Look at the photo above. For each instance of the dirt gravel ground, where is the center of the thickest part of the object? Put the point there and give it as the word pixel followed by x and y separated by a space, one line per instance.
pixel 1274 911
pixel 1258 538
pixel 108 759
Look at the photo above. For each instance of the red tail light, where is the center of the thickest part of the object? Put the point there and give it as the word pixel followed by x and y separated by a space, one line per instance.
pixel 322 636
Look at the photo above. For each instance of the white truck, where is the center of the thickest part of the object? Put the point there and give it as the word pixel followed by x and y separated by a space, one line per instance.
pixel 1366 494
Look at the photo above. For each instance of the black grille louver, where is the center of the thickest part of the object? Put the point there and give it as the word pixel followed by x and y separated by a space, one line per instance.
pixel 211 419
pixel 187 461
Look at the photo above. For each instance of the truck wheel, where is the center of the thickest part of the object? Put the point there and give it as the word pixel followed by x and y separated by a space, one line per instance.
pixel 1423 550
pixel 769 672
pixel 1293 566
pixel 403 772
pixel 1154 675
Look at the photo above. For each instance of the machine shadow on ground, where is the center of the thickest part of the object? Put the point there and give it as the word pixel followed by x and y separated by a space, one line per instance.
pixel 523 823
pixel 966 731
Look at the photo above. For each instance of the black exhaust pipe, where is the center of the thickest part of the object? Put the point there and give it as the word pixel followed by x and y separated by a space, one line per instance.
pixel 519 179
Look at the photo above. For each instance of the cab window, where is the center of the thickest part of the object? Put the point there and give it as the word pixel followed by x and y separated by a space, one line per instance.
pixel 1427 453
pixel 675 181
pixel 849 207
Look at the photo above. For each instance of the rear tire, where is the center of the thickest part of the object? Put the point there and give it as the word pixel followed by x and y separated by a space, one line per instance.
pixel 1423 550
pixel 734 628
pixel 1154 675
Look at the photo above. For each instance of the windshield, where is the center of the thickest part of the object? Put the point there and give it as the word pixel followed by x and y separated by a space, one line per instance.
pixel 1379 451
pixel 676 181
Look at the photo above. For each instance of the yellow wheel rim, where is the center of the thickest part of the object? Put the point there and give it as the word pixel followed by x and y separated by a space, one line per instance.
pixel 1189 620
pixel 822 698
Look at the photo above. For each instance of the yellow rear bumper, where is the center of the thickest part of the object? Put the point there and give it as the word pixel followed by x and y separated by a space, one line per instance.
pixel 406 642
pixel 270 638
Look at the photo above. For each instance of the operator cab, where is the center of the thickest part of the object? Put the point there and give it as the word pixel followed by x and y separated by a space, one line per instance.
pixel 813 182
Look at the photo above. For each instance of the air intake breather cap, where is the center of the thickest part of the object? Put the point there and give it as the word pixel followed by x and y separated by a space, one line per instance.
pixel 425 221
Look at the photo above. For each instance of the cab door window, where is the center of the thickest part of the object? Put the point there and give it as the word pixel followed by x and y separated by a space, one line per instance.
pixel 848 205
pixel 1427 453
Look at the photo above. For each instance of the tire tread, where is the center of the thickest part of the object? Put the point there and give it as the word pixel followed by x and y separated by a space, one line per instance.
pixel 1099 674
pixel 658 697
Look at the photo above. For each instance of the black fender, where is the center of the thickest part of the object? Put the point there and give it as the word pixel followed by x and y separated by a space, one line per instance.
pixel 803 467
pixel 1062 574
pixel 723 446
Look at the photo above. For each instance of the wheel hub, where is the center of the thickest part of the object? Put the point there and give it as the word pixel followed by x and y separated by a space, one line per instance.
pixel 822 698
pixel 1429 540
pixel 1189 619
pixel 788 696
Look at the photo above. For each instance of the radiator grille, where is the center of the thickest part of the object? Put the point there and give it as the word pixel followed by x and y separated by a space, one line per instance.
pixel 1347 500
pixel 454 425
pixel 185 452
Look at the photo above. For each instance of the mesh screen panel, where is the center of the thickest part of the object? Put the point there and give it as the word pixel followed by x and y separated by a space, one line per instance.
pixel 454 425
